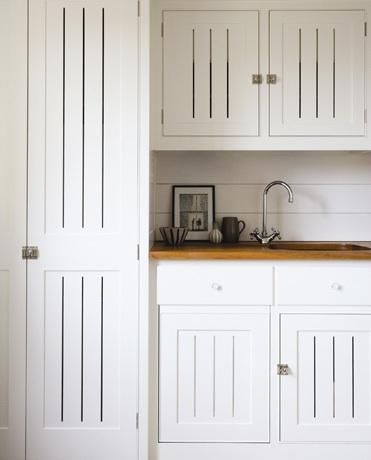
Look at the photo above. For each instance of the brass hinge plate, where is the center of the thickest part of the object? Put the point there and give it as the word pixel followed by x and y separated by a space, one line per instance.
pixel 365 29
pixel 162 116
pixel 30 252
pixel 162 29
pixel 282 369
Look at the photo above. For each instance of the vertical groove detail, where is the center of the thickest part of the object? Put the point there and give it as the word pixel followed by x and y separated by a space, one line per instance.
pixel 334 75
pixel 83 124
pixel 211 75
pixel 300 76
pixel 103 111
pixel 333 379
pixel 233 376
pixel 353 410
pixel 82 351
pixel 214 370
pixel 63 114
pixel 101 345
pixel 193 73
pixel 317 71
pixel 194 375
pixel 314 378
pixel 227 73
pixel 62 354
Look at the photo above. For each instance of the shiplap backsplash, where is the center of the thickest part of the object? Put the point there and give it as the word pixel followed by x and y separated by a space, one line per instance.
pixel 332 190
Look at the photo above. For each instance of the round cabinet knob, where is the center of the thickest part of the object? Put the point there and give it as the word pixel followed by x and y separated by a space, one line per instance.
pixel 217 287
pixel 336 287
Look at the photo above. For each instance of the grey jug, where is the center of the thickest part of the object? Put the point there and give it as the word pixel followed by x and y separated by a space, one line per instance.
pixel 232 229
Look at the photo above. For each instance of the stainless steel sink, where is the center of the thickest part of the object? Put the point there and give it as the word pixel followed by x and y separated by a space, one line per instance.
pixel 317 247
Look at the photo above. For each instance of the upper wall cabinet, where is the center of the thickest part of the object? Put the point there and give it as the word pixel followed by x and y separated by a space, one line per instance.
pixel 258 75
pixel 209 59
pixel 318 60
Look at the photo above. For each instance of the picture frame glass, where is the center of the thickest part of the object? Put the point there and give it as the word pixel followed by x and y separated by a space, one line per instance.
pixel 193 207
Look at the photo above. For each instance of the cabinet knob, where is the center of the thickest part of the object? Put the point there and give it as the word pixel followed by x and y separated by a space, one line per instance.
pixel 272 79
pixel 217 287
pixel 336 287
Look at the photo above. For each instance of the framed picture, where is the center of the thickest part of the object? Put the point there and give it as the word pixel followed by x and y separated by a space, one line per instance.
pixel 194 208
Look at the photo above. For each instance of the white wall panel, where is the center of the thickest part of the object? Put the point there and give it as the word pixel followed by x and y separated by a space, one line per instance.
pixel 331 191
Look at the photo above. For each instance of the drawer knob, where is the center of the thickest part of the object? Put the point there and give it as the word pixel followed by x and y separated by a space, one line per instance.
pixel 217 287
pixel 336 287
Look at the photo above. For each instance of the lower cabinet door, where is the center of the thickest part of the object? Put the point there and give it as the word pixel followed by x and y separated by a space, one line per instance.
pixel 326 397
pixel 214 374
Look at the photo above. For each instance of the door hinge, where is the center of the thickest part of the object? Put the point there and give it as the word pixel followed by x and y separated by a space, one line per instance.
pixel 137 420
pixel 162 29
pixel 30 252
pixel 138 252
pixel 282 369
pixel 365 116
pixel 162 116
pixel 138 9
pixel 365 29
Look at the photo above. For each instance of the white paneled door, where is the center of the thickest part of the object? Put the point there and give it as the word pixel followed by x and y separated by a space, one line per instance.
pixel 210 58
pixel 326 396
pixel 319 60
pixel 82 208
pixel 214 374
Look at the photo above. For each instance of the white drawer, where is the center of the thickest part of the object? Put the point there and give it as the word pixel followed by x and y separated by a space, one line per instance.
pixel 323 285
pixel 214 284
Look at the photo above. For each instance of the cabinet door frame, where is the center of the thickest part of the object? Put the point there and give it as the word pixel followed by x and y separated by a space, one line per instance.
pixel 204 319
pixel 215 78
pixel 307 98
pixel 291 431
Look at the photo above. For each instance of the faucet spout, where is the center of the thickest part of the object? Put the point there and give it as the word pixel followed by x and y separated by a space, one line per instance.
pixel 264 237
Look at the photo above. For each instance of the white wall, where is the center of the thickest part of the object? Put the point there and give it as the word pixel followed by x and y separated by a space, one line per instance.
pixel 332 190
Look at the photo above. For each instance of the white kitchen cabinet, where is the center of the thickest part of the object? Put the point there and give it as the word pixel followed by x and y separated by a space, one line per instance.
pixel 214 374
pixel 221 389
pixel 326 395
pixel 246 75
pixel 318 58
pixel 209 59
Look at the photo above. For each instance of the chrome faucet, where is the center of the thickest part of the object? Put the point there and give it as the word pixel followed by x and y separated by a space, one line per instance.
pixel 263 236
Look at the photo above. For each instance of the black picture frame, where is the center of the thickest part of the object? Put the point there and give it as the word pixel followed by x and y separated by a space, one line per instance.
pixel 179 217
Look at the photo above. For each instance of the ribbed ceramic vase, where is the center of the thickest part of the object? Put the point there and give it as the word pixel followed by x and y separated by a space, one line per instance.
pixel 215 236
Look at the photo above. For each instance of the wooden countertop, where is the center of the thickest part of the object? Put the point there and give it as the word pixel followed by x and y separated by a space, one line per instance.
pixel 254 251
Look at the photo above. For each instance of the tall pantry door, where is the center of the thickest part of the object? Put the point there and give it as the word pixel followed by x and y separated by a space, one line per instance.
pixel 82 208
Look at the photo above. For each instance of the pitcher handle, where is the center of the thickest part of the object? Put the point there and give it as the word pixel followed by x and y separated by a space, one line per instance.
pixel 241 222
